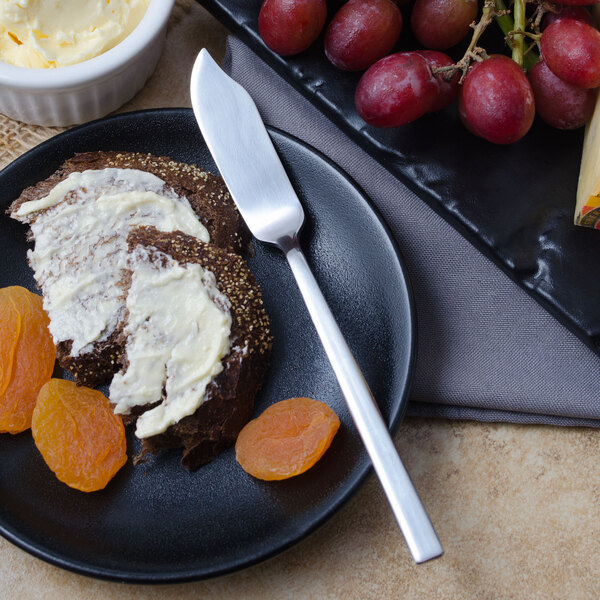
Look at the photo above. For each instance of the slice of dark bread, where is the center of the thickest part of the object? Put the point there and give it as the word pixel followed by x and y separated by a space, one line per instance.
pixel 206 193
pixel 230 396
pixel 207 196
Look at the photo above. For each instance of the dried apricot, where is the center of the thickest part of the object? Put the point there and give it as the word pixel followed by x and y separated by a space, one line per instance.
pixel 32 358
pixel 79 436
pixel 287 439
pixel 10 328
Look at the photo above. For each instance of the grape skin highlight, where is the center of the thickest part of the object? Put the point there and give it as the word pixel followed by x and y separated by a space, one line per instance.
pixel 571 50
pixel 441 24
pixel 557 102
pixel 396 90
pixel 362 32
pixel 496 101
pixel 448 88
pixel 290 26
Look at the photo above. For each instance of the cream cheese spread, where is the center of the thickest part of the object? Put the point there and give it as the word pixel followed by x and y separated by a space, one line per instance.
pixel 178 328
pixel 81 254
pixel 56 33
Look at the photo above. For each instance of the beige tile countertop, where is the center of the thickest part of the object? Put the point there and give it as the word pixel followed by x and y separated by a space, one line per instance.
pixel 517 507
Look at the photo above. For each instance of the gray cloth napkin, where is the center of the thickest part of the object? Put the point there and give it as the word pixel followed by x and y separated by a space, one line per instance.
pixel 486 350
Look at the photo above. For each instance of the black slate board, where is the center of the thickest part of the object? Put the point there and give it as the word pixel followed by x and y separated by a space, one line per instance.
pixel 514 203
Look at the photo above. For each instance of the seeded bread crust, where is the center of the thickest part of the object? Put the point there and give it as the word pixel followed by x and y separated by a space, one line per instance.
pixel 230 396
pixel 207 193
pixel 208 197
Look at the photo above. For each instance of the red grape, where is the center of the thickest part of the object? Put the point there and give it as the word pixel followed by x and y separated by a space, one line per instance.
pixel 557 102
pixel 448 88
pixel 571 50
pixel 397 89
pixel 362 32
pixel 291 26
pixel 463 117
pixel 579 13
pixel 440 24
pixel 496 101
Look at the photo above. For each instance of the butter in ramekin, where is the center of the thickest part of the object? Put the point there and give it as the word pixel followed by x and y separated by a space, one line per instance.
pixel 45 34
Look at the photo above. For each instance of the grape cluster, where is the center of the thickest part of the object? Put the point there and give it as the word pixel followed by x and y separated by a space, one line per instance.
pixel 554 69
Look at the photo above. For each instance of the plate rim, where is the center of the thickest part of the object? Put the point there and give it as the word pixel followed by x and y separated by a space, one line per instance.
pixel 123 576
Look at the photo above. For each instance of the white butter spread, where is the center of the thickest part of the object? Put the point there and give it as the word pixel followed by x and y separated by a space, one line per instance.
pixel 178 329
pixel 46 34
pixel 81 246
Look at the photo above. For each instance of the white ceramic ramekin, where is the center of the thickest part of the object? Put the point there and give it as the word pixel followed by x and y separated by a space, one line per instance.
pixel 91 89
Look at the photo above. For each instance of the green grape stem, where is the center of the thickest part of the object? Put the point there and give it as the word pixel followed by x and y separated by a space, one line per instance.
pixel 518 41
pixel 503 19
pixel 473 52
pixel 514 30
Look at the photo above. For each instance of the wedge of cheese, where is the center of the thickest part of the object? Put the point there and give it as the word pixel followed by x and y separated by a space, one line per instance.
pixel 587 210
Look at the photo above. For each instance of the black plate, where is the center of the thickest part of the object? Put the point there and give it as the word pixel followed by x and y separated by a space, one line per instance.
pixel 515 203
pixel 157 522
